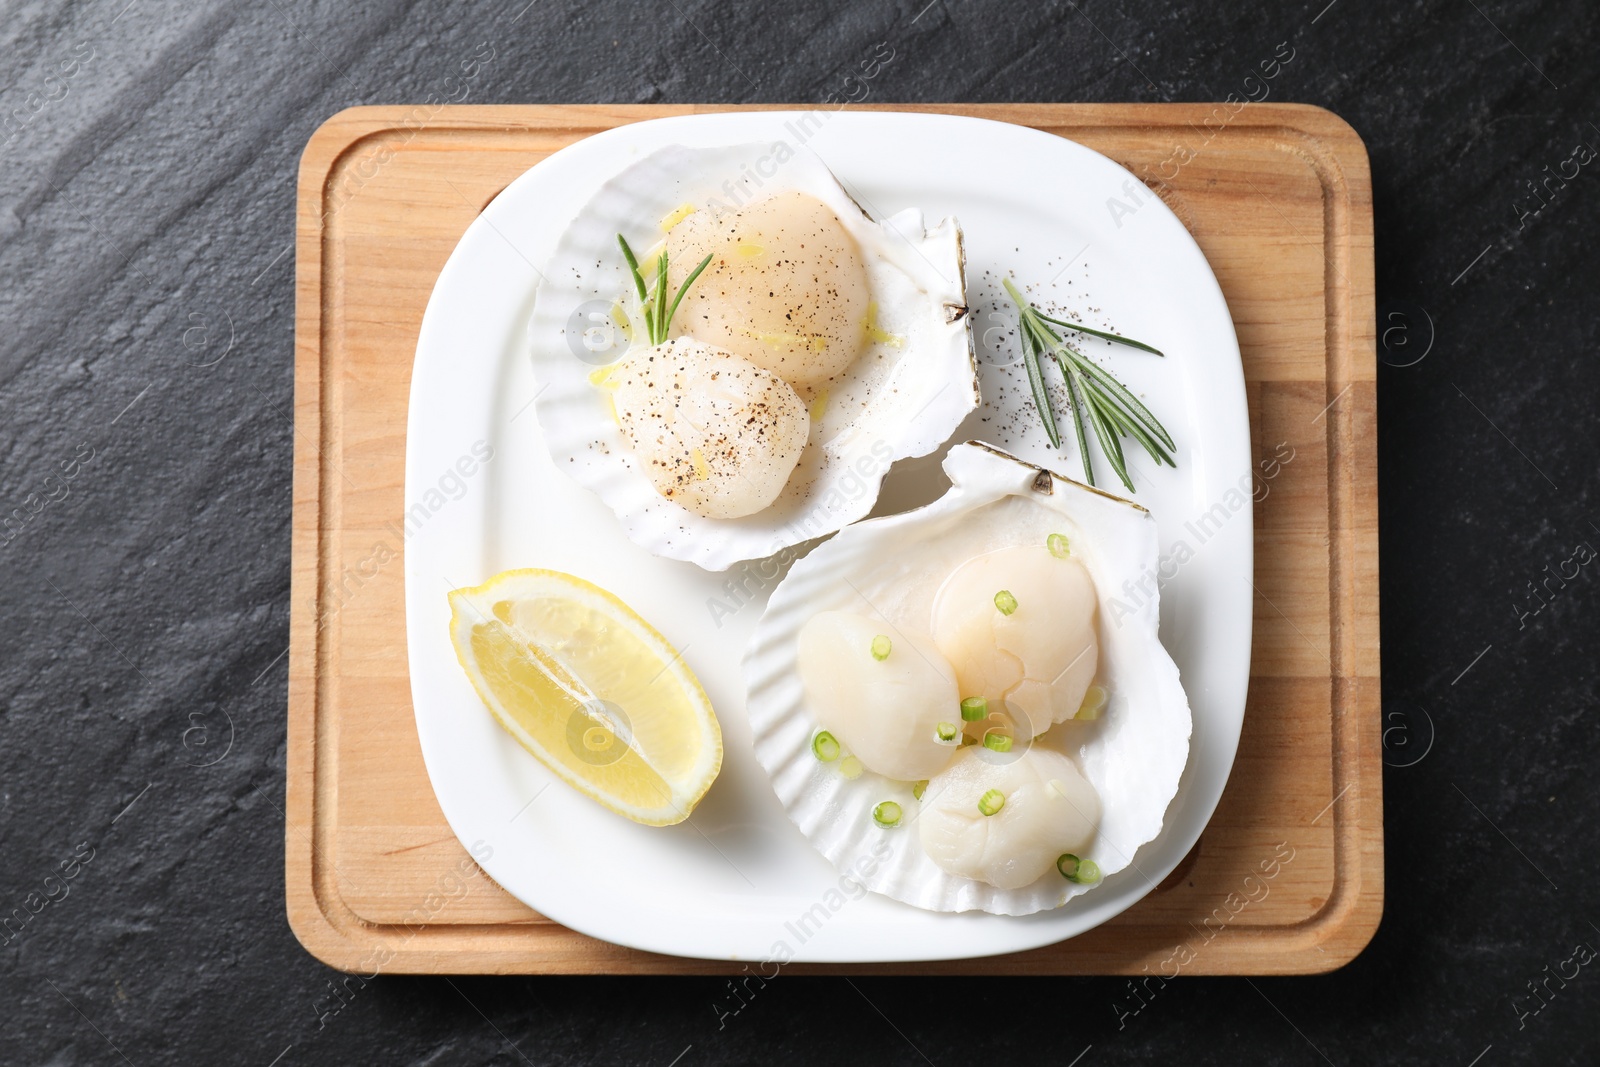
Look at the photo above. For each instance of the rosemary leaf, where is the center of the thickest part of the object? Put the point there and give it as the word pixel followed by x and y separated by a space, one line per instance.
pixel 1103 431
pixel 684 288
pixel 1124 421
pixel 1126 399
pixel 1077 422
pixel 1041 399
pixel 633 267
pixel 660 333
pixel 1110 442
pixel 1117 337
pixel 1131 427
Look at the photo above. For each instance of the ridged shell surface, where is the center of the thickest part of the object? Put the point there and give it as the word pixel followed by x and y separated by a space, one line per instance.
pixel 897 400
pixel 891 568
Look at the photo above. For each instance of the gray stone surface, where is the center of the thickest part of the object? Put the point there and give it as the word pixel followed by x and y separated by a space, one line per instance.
pixel 146 214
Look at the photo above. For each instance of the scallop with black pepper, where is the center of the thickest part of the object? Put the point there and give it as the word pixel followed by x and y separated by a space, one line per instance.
pixel 712 431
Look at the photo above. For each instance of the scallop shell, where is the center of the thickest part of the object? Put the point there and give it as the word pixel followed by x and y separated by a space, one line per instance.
pixel 1134 755
pixel 893 403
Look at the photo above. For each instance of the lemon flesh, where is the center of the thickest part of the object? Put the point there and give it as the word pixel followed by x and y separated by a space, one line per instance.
pixel 591 689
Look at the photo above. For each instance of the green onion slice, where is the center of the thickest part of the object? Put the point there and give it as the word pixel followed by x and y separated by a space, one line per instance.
pixel 1058 546
pixel 1073 869
pixel 825 747
pixel 887 814
pixel 946 733
pixel 850 767
pixel 880 648
pixel 991 802
pixel 974 709
pixel 997 742
pixel 1005 602
pixel 1094 702
pixel 918 789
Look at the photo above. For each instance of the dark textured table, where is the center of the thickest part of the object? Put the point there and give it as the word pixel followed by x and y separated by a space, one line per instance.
pixel 146 217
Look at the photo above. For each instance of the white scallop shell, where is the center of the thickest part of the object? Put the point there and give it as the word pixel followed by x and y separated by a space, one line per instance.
pixel 891 567
pixel 893 403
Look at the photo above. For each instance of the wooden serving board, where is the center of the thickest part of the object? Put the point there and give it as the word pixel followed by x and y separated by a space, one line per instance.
pixel 1287 878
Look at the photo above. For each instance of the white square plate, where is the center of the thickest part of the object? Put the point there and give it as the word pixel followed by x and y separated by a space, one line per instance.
pixel 738 881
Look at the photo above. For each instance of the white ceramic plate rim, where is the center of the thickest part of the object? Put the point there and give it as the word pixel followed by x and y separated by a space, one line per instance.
pixel 469 387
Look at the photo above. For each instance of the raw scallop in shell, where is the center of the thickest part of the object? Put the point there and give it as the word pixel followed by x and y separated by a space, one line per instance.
pixel 882 368
pixel 1100 780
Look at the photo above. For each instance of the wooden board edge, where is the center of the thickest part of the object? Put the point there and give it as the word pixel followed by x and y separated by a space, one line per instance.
pixel 299 775
pixel 1340 157
pixel 344 128
pixel 1343 153
pixel 312 924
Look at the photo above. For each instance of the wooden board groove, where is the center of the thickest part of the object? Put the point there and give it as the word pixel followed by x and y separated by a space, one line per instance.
pixel 1279 199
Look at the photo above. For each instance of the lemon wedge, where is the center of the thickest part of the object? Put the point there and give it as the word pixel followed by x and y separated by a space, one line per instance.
pixel 593 691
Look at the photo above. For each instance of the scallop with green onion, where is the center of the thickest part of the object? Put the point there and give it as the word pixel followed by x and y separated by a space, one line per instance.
pixel 890 699
pixel 1006 821
pixel 1018 626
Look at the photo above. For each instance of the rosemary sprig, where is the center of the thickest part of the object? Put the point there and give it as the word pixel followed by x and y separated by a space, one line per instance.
pixel 1110 409
pixel 657 312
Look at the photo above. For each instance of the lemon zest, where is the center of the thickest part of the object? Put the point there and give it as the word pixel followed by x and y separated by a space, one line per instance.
pixel 647 264
pixel 677 215
pixel 815 344
pixel 819 404
pixel 876 333
pixel 620 316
